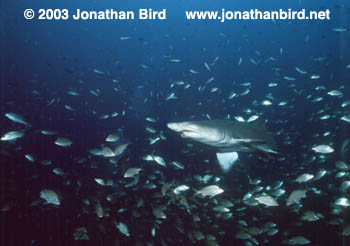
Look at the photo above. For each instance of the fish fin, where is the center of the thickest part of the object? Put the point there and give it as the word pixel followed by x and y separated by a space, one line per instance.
pixel 269 154
pixel 268 138
pixel 226 160
pixel 259 123
pixel 196 192
pixel 275 153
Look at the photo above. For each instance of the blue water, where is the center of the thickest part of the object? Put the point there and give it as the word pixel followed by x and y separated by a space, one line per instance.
pixel 41 60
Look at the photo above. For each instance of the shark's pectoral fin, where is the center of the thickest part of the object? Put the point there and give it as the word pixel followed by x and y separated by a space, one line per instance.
pixel 226 160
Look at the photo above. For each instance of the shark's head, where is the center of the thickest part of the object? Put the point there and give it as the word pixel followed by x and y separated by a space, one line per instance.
pixel 196 131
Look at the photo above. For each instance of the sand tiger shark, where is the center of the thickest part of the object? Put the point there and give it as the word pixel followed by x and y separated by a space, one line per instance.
pixel 228 137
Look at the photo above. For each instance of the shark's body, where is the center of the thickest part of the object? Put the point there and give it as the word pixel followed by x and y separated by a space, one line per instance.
pixel 228 137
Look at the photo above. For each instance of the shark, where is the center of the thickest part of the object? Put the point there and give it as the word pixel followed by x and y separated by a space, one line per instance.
pixel 228 137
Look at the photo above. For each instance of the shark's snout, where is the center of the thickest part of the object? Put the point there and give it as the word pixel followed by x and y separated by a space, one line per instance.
pixel 186 130
pixel 182 128
pixel 174 126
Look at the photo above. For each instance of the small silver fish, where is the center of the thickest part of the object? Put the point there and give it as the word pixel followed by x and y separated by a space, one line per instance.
pixel 324 149
pixel 12 136
pixel 266 200
pixel 63 142
pixel 131 172
pixel 50 197
pixel 211 191
pixel 17 118
pixel 122 228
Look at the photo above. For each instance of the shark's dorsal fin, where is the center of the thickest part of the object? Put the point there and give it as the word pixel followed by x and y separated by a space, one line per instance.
pixel 261 126
pixel 227 159
pixel 259 123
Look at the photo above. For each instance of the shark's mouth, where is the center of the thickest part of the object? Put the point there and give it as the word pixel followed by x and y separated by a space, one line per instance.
pixel 183 134
pixel 187 133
